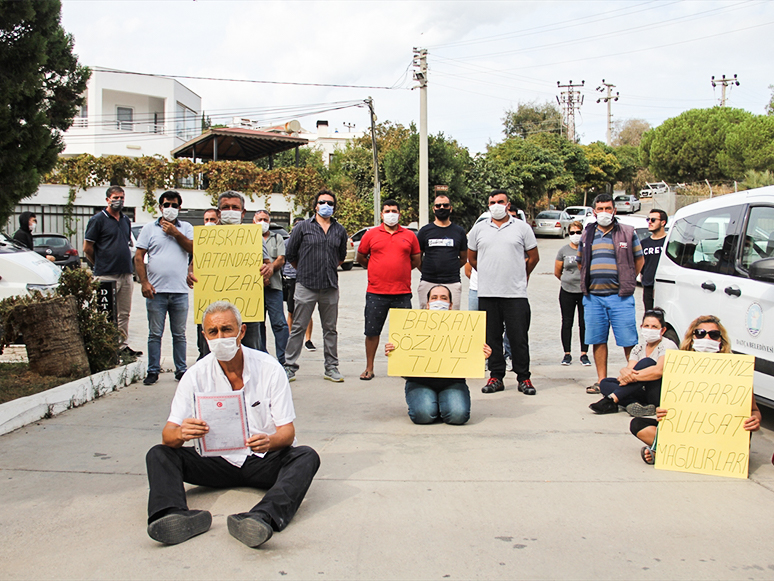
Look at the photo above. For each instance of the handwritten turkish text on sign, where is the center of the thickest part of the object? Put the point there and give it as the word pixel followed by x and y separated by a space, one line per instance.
pixel 708 397
pixel 437 343
pixel 227 261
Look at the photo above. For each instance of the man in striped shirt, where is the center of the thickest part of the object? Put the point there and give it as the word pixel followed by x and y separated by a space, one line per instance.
pixel 610 258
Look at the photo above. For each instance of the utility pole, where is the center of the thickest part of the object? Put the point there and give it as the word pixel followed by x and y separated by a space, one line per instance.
pixel 608 99
pixel 570 100
pixel 724 82
pixel 349 126
pixel 377 185
pixel 420 75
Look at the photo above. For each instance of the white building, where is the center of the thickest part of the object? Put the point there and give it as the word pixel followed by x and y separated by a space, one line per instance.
pixel 133 115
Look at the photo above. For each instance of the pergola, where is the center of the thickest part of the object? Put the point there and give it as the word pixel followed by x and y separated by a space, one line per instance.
pixel 234 143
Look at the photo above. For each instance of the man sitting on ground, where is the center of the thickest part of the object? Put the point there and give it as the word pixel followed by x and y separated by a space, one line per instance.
pixel 430 398
pixel 274 462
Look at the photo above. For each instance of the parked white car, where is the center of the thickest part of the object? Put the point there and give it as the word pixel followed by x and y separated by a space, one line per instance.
pixel 719 260
pixel 580 213
pixel 23 271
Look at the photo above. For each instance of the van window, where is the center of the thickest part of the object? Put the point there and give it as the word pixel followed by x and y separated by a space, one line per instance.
pixel 705 241
pixel 758 240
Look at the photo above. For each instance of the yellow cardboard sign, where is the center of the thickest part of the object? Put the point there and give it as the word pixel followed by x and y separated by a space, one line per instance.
pixel 227 261
pixel 708 397
pixel 437 343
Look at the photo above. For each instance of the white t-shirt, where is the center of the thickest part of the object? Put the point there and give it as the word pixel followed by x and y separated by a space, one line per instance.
pixel 638 351
pixel 265 382
pixel 502 270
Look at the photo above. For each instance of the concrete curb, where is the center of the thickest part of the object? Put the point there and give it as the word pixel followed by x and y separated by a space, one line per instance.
pixel 25 410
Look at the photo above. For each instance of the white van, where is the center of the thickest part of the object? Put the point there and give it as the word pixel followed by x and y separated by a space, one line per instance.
pixel 23 271
pixel 719 260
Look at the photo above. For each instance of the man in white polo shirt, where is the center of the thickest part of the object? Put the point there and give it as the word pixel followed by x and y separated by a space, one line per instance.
pixel 497 248
pixel 168 243
pixel 274 463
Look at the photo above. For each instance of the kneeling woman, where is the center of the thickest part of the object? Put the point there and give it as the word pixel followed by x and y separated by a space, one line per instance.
pixel 705 334
pixel 638 386
pixel 430 398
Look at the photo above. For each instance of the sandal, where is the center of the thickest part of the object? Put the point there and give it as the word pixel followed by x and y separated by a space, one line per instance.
pixel 367 375
pixel 593 389
pixel 647 449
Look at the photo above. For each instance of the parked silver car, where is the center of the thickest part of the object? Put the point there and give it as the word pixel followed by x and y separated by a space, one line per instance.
pixel 626 203
pixel 552 223
pixel 579 213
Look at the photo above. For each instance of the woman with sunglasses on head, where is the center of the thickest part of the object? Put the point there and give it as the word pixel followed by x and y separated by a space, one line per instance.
pixel 570 295
pixel 638 385
pixel 705 335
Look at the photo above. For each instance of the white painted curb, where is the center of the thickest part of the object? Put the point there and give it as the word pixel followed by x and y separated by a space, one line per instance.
pixel 25 410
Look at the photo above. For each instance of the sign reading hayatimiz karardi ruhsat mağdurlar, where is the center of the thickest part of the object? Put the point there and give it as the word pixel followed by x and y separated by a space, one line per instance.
pixel 437 343
pixel 708 396
pixel 227 263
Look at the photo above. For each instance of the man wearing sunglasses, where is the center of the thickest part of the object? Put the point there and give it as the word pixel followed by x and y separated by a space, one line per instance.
pixel 444 247
pixel 316 248
pixel 168 243
pixel 651 250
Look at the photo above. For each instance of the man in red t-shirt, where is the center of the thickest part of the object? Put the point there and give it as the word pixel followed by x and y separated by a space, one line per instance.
pixel 389 252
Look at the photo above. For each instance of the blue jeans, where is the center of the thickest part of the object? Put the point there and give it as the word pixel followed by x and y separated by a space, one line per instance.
pixel 272 298
pixel 176 304
pixel 426 405
pixel 600 312
pixel 472 300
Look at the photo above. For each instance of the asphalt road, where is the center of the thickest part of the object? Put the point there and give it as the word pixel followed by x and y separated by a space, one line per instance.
pixel 531 487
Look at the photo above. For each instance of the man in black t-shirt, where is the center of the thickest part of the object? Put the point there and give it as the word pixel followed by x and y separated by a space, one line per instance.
pixel 651 250
pixel 444 249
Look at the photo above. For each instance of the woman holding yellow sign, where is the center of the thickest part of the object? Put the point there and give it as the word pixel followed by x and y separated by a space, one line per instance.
pixel 705 334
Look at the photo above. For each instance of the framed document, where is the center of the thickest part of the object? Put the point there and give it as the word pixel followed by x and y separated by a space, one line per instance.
pixel 226 417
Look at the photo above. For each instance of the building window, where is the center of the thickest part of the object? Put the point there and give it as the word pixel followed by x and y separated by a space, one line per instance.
pixel 185 123
pixel 82 119
pixel 124 118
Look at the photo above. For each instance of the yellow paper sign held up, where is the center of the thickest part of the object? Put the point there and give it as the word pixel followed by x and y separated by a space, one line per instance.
pixel 437 343
pixel 708 397
pixel 227 261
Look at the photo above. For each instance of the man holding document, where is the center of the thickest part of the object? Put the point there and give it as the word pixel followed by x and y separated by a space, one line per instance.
pixel 235 405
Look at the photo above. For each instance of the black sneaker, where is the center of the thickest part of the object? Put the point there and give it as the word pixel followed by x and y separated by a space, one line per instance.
pixel 249 529
pixel 129 351
pixel 310 346
pixel 179 526
pixel 584 359
pixel 637 410
pixel 606 405
pixel 150 379
pixel 527 388
pixel 493 385
pixel 179 375
pixel 567 359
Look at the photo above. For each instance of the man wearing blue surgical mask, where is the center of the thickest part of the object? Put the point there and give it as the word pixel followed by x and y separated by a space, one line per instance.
pixel 316 248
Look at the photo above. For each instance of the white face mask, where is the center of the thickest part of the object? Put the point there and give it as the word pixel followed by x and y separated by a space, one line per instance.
pixel 230 217
pixel 650 335
pixel 170 214
pixel 575 238
pixel 498 211
pixel 604 219
pixel 224 349
pixel 438 306
pixel 706 345
pixel 391 219
pixel 33 226
pixel 264 226
pixel 210 224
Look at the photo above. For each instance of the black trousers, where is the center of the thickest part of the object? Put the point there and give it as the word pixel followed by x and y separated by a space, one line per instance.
pixel 568 303
pixel 644 392
pixel 647 297
pixel 285 475
pixel 513 316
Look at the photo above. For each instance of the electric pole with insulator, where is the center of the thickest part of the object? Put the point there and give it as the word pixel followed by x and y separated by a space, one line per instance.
pixel 724 82
pixel 420 75
pixel 609 98
pixel 570 100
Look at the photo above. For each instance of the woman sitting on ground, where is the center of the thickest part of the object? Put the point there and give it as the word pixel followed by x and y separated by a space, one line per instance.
pixel 431 398
pixel 706 335
pixel 638 385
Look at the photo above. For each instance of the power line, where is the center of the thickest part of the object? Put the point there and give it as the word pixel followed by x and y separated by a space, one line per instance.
pixel 290 83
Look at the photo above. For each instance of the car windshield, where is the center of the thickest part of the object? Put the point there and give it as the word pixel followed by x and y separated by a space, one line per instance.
pixel 576 211
pixel 52 241
pixel 622 198
pixel 549 215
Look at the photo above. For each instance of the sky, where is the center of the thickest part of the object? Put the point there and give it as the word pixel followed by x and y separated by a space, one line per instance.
pixel 484 58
